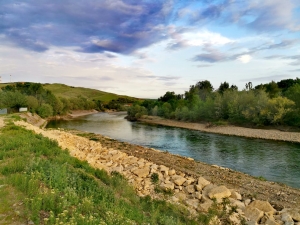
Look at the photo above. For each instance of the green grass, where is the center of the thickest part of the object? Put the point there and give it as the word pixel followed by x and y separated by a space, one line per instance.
pixel 62 90
pixel 56 188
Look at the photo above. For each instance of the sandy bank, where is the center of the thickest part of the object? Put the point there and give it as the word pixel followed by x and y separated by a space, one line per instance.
pixel 77 113
pixel 228 130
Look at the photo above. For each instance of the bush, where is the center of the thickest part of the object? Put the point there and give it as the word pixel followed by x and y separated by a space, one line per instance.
pixel 45 110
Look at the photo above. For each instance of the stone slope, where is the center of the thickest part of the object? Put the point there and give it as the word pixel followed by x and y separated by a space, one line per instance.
pixel 195 192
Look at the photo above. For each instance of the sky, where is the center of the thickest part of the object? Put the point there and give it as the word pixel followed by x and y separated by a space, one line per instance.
pixel 145 48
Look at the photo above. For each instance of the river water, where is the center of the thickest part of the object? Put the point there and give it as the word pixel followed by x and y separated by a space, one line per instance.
pixel 273 160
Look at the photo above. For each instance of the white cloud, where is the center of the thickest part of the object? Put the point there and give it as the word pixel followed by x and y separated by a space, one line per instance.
pixel 206 37
pixel 244 58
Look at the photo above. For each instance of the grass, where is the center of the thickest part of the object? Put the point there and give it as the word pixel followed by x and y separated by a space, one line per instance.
pixel 62 90
pixel 55 188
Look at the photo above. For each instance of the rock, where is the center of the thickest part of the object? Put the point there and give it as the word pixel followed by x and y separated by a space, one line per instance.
pixel 271 222
pixel 263 206
pixel 234 219
pixel 198 195
pixel 143 172
pixel 219 192
pixel 192 203
pixel 237 203
pixel 247 201
pixel 286 217
pixel 167 186
pixel 204 207
pixel 253 213
pixel 206 190
pixel 203 182
pixel 190 189
pixel 294 213
pixel 180 196
pixel 198 187
pixel 178 180
pixel 118 169
pixel 172 172
pixel 163 168
pixel 235 195
pixel 187 182
pixel 251 222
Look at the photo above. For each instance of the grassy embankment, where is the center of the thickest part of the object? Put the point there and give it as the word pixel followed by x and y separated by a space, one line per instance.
pixel 62 90
pixel 65 91
pixel 43 183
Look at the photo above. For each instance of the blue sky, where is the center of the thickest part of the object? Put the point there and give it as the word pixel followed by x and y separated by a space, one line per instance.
pixel 147 47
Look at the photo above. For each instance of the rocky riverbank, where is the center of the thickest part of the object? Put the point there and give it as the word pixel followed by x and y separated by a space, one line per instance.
pixel 255 201
pixel 227 130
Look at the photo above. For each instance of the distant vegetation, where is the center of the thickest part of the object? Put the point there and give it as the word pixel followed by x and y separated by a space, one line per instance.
pixel 58 99
pixel 265 104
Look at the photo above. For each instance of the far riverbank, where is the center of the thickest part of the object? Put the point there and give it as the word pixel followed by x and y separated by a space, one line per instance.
pixel 227 130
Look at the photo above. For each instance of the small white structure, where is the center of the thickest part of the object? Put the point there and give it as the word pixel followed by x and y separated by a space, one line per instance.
pixel 24 109
pixel 3 111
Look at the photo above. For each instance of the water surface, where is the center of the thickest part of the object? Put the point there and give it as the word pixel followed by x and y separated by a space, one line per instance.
pixel 273 160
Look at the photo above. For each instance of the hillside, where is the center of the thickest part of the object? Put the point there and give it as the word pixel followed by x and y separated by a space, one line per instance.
pixel 62 90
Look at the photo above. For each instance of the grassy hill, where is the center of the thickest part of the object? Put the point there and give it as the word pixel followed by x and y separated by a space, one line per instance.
pixel 62 90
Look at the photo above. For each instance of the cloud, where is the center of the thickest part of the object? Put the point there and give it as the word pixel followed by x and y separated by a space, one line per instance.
pixel 244 58
pixel 164 78
pixel 115 26
pixel 266 78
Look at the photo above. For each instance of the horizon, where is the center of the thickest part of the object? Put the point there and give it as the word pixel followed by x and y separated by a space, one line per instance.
pixel 147 48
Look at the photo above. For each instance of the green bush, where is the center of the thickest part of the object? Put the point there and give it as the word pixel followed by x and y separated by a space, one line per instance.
pixel 45 110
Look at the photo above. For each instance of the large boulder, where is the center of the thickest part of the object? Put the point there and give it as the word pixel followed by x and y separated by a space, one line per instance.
pixel 219 192
pixel 203 182
pixel 143 172
pixel 263 206
pixel 178 180
pixel 294 213
pixel 253 213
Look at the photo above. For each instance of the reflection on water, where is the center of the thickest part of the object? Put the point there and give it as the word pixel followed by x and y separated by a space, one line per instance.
pixel 276 161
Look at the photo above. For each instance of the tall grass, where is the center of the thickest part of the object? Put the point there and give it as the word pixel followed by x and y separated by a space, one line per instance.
pixel 60 189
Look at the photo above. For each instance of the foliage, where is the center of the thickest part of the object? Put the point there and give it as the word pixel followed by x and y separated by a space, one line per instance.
pixel 135 112
pixel 266 104
pixel 45 110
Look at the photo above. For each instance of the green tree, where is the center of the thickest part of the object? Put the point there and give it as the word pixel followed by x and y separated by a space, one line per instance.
pixel 13 100
pixel 45 110
pixel 277 108
pixel 32 103
pixel 272 89
pixel 223 86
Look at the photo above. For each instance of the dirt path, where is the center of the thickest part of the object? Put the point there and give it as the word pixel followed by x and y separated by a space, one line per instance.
pixel 228 130
pixel 2 122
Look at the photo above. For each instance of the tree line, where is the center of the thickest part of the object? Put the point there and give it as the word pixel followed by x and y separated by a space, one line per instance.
pixel 43 102
pixel 273 103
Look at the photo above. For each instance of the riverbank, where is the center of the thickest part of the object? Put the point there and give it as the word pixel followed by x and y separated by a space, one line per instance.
pixel 183 176
pixel 227 130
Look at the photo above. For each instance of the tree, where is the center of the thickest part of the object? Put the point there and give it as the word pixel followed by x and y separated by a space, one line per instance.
pixel 32 103
pixel 277 108
pixel 13 100
pixel 223 86
pixel 45 110
pixel 202 89
pixel 272 89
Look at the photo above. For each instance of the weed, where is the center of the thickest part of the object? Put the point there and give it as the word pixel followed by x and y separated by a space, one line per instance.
pixel 261 178
pixel 154 178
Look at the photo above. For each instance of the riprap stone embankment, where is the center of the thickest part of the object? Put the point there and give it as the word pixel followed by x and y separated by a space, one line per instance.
pixel 196 193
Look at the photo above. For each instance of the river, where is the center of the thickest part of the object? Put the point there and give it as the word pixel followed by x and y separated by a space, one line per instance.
pixel 273 160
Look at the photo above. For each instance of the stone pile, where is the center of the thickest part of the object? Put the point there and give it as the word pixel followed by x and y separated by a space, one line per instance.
pixel 196 193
